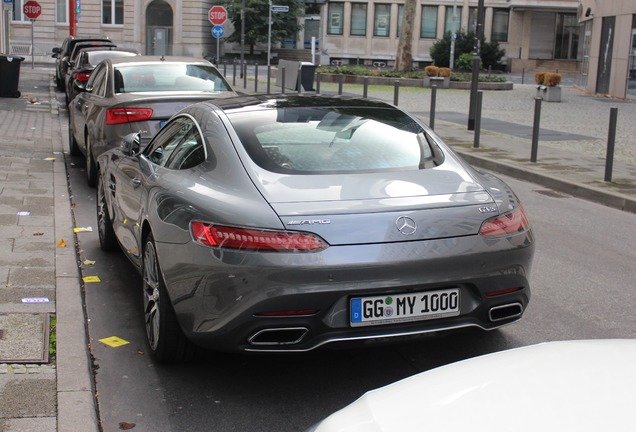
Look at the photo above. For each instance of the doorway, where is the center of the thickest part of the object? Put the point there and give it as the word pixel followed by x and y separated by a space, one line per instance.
pixel 159 23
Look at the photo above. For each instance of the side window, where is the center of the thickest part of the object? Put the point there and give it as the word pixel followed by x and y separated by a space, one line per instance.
pixel 189 153
pixel 96 81
pixel 168 139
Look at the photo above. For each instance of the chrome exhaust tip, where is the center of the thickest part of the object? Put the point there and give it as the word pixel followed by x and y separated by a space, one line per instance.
pixel 278 336
pixel 504 312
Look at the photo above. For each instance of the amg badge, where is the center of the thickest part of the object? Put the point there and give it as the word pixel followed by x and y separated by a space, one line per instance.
pixel 309 222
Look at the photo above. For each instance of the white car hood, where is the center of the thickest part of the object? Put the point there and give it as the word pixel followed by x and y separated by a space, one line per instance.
pixel 555 386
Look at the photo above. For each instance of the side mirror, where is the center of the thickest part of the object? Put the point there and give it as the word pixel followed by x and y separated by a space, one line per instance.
pixel 55 51
pixel 131 144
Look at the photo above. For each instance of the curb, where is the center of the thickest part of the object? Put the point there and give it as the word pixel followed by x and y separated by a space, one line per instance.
pixel 76 403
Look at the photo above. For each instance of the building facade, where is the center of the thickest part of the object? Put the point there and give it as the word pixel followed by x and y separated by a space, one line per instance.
pixel 609 57
pixel 592 40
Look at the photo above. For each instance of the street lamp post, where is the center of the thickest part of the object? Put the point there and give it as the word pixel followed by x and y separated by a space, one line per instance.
pixel 242 35
pixel 453 36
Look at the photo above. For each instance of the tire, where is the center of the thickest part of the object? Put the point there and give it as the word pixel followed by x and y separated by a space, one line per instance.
pixel 91 167
pixel 107 239
pixel 167 342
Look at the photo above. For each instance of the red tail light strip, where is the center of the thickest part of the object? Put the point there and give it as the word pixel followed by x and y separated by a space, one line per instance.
pixel 127 115
pixel 254 239
pixel 506 224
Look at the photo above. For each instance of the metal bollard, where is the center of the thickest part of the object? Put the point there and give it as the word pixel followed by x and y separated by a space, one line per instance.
pixel 244 74
pixel 611 139
pixel 535 129
pixel 480 95
pixel 317 83
pixel 299 82
pixel 282 80
pixel 269 78
pixel 224 68
pixel 523 75
pixel 340 84
pixel 234 74
pixel 365 87
pixel 396 92
pixel 255 77
pixel 431 122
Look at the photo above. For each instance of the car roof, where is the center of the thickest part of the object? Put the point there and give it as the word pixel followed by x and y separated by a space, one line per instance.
pixel 268 102
pixel 109 49
pixel 149 59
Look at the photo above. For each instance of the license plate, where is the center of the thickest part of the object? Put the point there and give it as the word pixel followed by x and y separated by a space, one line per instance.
pixel 397 308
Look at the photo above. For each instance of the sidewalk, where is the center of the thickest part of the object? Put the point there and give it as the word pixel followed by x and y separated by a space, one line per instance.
pixel 40 292
pixel 39 274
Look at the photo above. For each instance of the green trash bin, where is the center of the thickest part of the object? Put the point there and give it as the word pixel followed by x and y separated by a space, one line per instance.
pixel 10 75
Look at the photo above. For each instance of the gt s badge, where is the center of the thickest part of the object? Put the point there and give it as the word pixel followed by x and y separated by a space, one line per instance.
pixel 489 209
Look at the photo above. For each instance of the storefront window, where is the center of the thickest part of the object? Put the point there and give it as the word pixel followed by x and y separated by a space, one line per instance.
pixel 336 11
pixel 381 20
pixel 358 19
pixel 631 83
pixel 61 6
pixel 429 22
pixel 567 37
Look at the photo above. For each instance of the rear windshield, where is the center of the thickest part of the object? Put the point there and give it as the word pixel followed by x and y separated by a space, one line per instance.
pixel 168 77
pixel 334 140
pixel 95 57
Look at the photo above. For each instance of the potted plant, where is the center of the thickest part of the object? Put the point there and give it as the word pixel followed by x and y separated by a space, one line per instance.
pixel 548 87
pixel 444 73
pixel 430 72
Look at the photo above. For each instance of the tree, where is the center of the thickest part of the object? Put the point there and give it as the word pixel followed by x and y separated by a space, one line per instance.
pixel 404 56
pixel 491 53
pixel 284 25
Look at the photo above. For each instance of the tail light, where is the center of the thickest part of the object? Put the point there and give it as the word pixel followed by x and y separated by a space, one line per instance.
pixel 82 76
pixel 127 115
pixel 255 239
pixel 510 223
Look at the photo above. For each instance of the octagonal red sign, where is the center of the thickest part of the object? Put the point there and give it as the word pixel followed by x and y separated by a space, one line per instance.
pixel 217 15
pixel 32 9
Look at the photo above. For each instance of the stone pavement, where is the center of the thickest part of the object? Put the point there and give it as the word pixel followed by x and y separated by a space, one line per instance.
pixel 39 274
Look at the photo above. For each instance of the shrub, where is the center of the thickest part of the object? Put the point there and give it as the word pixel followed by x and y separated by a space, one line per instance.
pixel 491 53
pixel 431 71
pixel 552 79
pixel 465 62
pixel 444 72
pixel 539 77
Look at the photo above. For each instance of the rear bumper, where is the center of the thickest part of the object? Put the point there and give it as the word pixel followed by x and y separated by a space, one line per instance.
pixel 219 296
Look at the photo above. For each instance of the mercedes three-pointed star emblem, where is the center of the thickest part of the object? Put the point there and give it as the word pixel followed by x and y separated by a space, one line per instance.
pixel 406 225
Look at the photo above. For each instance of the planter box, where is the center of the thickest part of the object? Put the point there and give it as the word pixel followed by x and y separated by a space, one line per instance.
pixel 410 82
pixel 440 82
pixel 549 94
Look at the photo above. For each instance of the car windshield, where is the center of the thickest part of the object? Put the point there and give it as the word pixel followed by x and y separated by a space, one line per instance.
pixel 334 140
pixel 168 77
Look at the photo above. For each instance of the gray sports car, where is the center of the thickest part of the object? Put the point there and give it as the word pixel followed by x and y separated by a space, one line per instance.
pixel 284 223
pixel 136 94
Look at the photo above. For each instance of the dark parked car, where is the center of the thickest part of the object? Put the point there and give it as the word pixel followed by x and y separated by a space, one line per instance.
pixel 263 223
pixel 132 94
pixel 61 55
pixel 87 59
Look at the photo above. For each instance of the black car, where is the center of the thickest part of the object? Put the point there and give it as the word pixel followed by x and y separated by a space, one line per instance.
pixel 87 59
pixel 62 52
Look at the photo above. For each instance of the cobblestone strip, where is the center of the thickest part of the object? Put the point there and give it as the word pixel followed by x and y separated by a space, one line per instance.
pixel 26 369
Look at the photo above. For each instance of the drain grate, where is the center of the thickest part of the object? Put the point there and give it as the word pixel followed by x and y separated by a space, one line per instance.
pixel 1 334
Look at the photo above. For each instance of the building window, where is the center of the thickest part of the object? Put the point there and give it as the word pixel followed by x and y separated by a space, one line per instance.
pixel 472 20
pixel 448 24
pixel 500 25
pixel 17 11
pixel 61 11
pixel 429 22
pixel 381 20
pixel 336 11
pixel 400 17
pixel 113 12
pixel 358 19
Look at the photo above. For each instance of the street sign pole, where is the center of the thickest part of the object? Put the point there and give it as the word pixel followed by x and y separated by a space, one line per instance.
pixel 269 34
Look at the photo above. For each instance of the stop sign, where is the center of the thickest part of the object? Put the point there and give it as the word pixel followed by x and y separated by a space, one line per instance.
pixel 32 9
pixel 217 15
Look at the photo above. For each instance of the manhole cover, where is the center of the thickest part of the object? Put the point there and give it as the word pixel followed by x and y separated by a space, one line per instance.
pixel 24 338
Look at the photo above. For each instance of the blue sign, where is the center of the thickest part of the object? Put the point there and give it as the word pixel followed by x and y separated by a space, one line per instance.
pixel 218 31
pixel 8 1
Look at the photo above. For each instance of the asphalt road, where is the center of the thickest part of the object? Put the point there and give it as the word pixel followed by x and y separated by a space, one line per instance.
pixel 583 287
